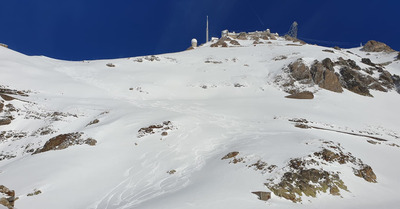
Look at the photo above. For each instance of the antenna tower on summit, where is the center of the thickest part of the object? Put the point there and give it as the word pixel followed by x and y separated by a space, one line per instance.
pixel 293 30
pixel 207 30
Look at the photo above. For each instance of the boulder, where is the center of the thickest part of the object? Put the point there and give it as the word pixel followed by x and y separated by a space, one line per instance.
pixel 265 196
pixel 367 62
pixel 300 71
pixel 375 46
pixel 301 95
pixel 5 121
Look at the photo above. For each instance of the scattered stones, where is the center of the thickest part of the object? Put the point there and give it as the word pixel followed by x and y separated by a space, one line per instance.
pixel 164 133
pixel 264 196
pixel 281 57
pixel 301 95
pixel 375 46
pixel 63 141
pixel 152 129
pixel 35 192
pixel 171 172
pixel 152 58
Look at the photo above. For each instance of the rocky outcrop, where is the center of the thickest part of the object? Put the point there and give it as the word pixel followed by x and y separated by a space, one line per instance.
pixel 306 176
pixel 157 128
pixel 375 46
pixel 221 42
pixel 9 199
pixel 324 76
pixel 63 141
pixel 300 71
pixel 351 80
pixel 308 181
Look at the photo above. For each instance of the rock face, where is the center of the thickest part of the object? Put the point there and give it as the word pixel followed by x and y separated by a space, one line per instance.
pixel 351 81
pixel 375 46
pixel 351 76
pixel 324 75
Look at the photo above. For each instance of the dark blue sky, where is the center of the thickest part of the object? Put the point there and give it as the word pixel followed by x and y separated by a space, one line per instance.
pixel 95 29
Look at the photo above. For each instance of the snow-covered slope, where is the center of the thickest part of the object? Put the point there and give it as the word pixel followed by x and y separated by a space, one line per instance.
pixel 151 132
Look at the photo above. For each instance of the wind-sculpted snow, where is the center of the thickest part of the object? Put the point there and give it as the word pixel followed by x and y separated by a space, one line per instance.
pixel 162 124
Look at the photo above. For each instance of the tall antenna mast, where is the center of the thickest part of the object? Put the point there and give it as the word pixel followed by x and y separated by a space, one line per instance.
pixel 293 30
pixel 207 31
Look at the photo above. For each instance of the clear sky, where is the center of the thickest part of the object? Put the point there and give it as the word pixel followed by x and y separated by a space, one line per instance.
pixel 96 29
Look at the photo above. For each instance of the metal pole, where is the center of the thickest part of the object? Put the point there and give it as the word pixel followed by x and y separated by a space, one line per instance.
pixel 207 31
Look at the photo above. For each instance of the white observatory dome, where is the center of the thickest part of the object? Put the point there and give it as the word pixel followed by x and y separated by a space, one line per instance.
pixel 194 43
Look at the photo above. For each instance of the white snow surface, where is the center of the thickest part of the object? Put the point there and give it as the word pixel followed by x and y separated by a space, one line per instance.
pixel 218 100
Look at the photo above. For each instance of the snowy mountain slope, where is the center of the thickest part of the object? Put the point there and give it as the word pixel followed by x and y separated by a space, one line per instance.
pixel 162 124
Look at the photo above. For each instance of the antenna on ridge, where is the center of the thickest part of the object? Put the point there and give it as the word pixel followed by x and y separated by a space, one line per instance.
pixel 207 30
pixel 293 30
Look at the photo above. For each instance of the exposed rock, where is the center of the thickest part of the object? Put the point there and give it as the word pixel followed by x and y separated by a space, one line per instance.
pixel 63 141
pixel 328 50
pixel 242 36
pixel 264 196
pixel 152 129
pixel 366 173
pixel 324 76
pixel 171 172
pixel 5 121
pixel 221 42
pixel 35 192
pixel 367 62
pixel 309 182
pixel 230 155
pixel 289 38
pixel 152 58
pixel 301 95
pixel 10 198
pixel 4 45
pixel 375 46
pixel 164 133
pixel 398 56
pixel 300 71
pixel 1 106
pixel 386 79
pixel 396 82
pixel 351 81
pixel 234 42
pixel 95 121
pixel 110 65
